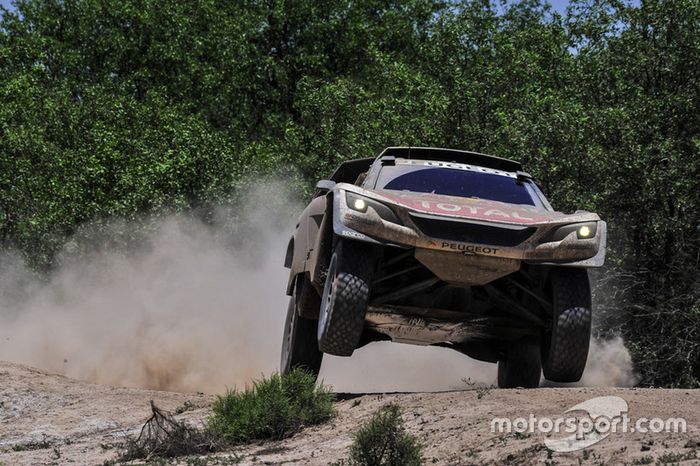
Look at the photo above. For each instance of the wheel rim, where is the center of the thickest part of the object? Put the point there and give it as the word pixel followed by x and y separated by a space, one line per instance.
pixel 326 299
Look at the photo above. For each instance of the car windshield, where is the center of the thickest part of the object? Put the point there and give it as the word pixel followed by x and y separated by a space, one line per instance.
pixel 454 182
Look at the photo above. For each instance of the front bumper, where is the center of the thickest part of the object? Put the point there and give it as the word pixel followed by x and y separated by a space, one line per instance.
pixel 569 251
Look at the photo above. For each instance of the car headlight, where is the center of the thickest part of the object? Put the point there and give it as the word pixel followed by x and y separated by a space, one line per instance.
pixel 583 231
pixel 361 204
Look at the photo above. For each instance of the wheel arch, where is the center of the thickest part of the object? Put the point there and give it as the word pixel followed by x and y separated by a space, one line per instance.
pixel 323 248
pixel 289 263
pixel 289 256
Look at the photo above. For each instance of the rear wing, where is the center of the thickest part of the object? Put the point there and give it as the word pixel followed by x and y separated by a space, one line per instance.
pixel 453 155
pixel 347 172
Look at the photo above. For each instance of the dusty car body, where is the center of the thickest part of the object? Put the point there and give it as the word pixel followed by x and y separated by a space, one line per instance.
pixel 443 247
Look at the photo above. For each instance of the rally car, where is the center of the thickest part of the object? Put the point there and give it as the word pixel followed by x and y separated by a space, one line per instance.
pixel 442 247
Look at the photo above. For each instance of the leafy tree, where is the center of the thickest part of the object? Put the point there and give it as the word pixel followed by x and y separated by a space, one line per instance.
pixel 118 108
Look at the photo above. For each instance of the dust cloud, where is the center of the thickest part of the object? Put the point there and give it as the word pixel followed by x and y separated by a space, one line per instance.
pixel 609 365
pixel 191 306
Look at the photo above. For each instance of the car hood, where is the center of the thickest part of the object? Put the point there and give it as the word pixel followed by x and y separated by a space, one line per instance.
pixel 476 209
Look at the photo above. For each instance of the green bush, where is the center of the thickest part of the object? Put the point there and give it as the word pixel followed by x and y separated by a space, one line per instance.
pixel 384 442
pixel 274 408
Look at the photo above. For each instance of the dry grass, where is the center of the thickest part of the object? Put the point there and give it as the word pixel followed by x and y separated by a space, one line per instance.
pixel 163 436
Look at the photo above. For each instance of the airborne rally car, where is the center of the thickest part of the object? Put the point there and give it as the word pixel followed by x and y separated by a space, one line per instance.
pixel 442 247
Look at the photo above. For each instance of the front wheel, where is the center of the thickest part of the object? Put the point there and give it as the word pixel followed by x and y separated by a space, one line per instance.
pixel 299 346
pixel 565 344
pixel 345 298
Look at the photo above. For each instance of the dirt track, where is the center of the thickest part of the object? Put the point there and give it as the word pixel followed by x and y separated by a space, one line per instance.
pixel 50 419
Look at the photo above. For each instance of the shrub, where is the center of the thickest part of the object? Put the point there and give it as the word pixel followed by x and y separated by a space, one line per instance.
pixel 163 436
pixel 274 408
pixel 384 442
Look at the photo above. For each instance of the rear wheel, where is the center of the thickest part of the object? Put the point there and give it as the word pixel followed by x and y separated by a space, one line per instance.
pixel 299 345
pixel 521 365
pixel 565 344
pixel 345 297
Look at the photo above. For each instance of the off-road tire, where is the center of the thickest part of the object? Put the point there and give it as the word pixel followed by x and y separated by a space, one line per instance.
pixel 345 297
pixel 521 365
pixel 299 345
pixel 565 345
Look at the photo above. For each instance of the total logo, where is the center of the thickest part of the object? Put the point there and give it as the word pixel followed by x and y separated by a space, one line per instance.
pixel 474 210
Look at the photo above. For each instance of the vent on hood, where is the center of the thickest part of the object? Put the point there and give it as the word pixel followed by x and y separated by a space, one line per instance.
pixel 469 232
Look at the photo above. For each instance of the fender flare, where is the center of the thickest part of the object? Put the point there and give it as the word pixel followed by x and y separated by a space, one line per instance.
pixel 289 256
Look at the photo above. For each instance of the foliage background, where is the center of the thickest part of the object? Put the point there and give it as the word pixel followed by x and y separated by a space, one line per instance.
pixel 115 108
